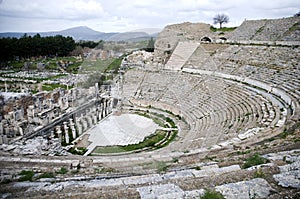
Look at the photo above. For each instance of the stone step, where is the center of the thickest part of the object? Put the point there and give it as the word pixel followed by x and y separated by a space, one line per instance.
pixel 255 188
pixel 181 54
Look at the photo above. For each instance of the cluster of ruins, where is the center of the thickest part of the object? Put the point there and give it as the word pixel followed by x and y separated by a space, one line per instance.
pixel 65 113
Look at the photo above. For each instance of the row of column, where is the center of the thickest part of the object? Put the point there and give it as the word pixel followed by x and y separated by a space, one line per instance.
pixel 70 130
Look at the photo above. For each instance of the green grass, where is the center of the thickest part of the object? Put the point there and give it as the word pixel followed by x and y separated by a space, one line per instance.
pixel 284 134
pixel 294 27
pixel 58 76
pixel 98 65
pixel 161 166
pixel 149 141
pixel 243 152
pixel 260 29
pixel 51 87
pixel 108 149
pixel 210 157
pixel 212 194
pixel 47 175
pixel 224 29
pixel 155 141
pixel 78 150
pixel 259 173
pixel 52 63
pixel 114 65
pixel 254 160
pixel 175 160
pixel 62 170
pixel 290 131
pixel 171 137
pixel 26 175
pixel 171 122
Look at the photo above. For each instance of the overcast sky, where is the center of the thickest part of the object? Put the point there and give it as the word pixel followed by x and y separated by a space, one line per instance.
pixel 126 15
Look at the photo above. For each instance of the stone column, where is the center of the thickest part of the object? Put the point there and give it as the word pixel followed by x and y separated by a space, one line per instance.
pixel 67 138
pixel 5 139
pixel 59 133
pixel 110 105
pixel 104 108
pixel 84 124
pixel 21 131
pixel 1 128
pixel 51 135
pixel 89 119
pixel 72 128
pixel 99 112
pixel 94 117
pixel 79 128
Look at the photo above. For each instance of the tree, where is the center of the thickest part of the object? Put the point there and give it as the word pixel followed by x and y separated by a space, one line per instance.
pixel 150 46
pixel 220 19
pixel 297 14
pixel 27 46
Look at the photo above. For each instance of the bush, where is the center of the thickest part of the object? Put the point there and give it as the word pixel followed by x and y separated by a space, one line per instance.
pixel 62 170
pixel 211 194
pixel 254 160
pixel 26 175
pixel 259 173
pixel 47 175
pixel 161 167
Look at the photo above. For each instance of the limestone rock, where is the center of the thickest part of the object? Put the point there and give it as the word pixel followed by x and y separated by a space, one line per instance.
pixel 289 175
pixel 257 187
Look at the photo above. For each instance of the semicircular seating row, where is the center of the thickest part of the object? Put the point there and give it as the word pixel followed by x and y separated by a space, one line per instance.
pixel 277 66
pixel 216 110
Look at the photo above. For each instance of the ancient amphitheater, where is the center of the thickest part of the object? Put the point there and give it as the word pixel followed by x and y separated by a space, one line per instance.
pixel 229 95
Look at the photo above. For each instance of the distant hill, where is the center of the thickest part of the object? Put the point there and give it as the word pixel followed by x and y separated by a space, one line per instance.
pixel 127 36
pixel 86 33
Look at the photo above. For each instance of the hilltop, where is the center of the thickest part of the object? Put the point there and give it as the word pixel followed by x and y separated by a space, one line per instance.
pixel 86 33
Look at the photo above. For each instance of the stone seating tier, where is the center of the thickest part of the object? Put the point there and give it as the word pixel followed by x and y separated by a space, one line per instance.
pixel 214 113
pixel 267 30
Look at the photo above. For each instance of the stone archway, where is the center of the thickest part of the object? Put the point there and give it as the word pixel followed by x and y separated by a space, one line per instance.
pixel 206 40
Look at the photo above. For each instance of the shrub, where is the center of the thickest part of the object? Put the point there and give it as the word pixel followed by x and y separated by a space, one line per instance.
pixel 254 160
pixel 175 160
pixel 259 173
pixel 26 175
pixel 62 170
pixel 211 194
pixel 161 167
pixel 47 175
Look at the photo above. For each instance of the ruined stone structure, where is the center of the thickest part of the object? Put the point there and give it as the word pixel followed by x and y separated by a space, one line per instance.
pixel 285 29
pixel 231 95
pixel 61 112
pixel 176 43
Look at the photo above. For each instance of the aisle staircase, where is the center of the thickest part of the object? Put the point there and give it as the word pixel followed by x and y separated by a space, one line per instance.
pixel 181 54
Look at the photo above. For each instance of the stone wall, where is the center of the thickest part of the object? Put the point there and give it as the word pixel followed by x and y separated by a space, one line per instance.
pixel 169 37
pixel 285 29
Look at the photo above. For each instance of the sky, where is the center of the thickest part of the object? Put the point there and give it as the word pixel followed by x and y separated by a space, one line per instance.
pixel 128 15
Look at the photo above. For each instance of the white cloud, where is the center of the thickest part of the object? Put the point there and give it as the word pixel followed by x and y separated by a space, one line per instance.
pixel 54 9
pixel 123 15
